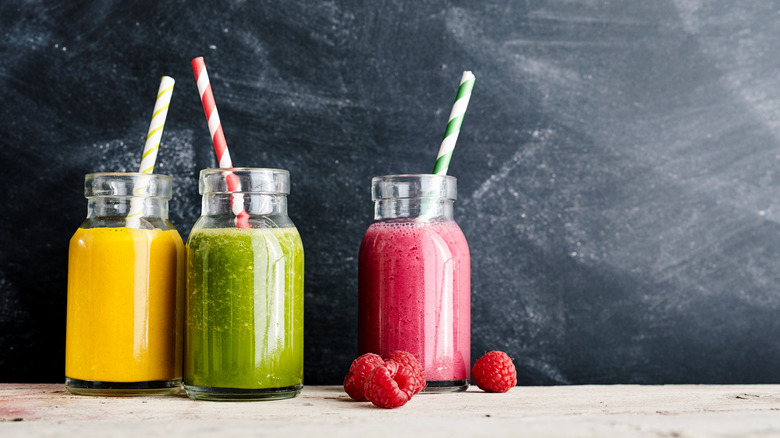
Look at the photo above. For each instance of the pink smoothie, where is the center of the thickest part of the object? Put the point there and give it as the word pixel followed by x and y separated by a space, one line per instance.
pixel 415 295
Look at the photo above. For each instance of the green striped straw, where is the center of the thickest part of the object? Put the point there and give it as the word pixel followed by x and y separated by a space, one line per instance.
pixel 453 126
pixel 152 145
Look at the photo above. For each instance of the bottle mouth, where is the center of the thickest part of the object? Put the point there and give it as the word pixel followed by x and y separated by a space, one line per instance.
pixel 147 185
pixel 412 186
pixel 244 180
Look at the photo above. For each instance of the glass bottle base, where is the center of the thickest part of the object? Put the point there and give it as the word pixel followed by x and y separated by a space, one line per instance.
pixel 240 394
pixel 122 389
pixel 439 386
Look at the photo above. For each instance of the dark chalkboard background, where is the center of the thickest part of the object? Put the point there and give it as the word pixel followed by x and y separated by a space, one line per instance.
pixel 618 167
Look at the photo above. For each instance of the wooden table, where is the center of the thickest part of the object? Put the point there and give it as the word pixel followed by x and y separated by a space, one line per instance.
pixel 31 410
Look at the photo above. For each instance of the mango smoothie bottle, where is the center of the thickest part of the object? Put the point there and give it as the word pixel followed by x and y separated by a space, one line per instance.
pixel 125 290
pixel 244 295
pixel 414 279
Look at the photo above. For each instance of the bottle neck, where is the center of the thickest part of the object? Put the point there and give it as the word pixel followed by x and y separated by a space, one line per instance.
pixel 122 206
pixel 413 208
pixel 259 204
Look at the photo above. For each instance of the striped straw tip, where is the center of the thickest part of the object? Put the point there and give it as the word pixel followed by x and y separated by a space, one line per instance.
pixel 454 123
pixel 154 135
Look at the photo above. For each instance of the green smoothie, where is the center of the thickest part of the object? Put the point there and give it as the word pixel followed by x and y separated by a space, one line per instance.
pixel 244 311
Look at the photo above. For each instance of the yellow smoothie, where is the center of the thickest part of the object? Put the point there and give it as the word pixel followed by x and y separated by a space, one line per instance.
pixel 125 288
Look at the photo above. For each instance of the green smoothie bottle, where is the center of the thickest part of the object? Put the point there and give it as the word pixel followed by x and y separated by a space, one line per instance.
pixel 244 306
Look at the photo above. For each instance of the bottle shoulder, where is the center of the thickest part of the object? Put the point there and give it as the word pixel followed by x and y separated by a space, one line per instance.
pixel 411 233
pixel 144 223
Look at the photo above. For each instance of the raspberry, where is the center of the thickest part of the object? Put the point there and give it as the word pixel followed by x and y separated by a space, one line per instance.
pixel 358 371
pixel 494 372
pixel 389 385
pixel 408 360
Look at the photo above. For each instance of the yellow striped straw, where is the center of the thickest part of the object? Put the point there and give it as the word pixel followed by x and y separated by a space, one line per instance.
pixel 157 124
pixel 151 146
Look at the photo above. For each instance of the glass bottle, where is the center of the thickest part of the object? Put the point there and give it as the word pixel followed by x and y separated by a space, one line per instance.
pixel 244 305
pixel 125 286
pixel 414 279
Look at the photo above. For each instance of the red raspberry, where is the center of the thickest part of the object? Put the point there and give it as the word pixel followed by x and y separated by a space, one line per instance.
pixel 494 372
pixel 408 360
pixel 390 385
pixel 358 371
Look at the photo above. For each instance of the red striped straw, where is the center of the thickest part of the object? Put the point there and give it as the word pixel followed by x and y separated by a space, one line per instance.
pixel 218 137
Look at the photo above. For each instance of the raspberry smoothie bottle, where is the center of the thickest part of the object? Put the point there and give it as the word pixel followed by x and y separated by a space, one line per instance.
pixel 415 279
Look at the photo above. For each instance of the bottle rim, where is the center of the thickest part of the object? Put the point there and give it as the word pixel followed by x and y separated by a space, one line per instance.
pixel 258 180
pixel 128 184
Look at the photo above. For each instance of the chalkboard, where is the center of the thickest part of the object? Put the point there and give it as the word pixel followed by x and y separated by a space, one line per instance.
pixel 618 168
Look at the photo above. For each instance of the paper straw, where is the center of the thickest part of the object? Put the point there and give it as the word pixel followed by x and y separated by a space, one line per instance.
pixel 157 124
pixel 152 145
pixel 218 138
pixel 453 126
pixel 427 208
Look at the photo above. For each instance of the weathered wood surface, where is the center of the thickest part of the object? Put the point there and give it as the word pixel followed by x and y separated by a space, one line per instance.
pixel 624 410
